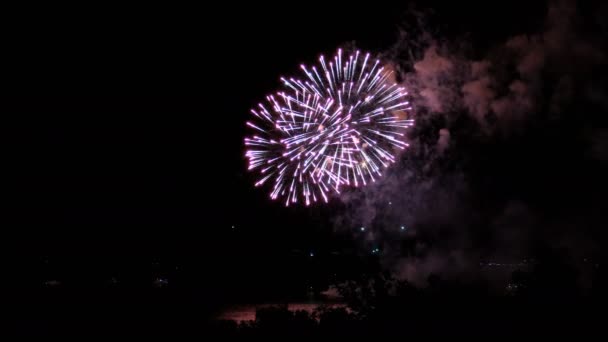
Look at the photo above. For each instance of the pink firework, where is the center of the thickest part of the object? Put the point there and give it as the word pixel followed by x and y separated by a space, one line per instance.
pixel 340 126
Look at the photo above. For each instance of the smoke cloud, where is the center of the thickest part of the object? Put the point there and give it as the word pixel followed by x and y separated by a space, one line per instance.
pixel 493 137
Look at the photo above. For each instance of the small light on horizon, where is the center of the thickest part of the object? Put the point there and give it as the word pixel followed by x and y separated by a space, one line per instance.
pixel 402 227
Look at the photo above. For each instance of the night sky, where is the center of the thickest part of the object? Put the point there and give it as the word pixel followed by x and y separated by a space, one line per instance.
pixel 126 156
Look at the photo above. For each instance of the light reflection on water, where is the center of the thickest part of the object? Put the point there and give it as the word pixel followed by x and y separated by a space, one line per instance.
pixel 240 313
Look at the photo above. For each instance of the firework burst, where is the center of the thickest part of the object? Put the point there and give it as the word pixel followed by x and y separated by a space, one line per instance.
pixel 339 126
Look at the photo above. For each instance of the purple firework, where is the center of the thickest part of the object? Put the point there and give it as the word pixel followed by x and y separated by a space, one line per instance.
pixel 340 126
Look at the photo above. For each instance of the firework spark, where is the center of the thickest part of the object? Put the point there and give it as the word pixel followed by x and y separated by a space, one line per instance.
pixel 340 126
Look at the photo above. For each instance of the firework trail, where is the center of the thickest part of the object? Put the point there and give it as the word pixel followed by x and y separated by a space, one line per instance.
pixel 340 126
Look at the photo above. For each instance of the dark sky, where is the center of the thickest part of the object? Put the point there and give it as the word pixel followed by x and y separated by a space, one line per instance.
pixel 129 125
pixel 135 115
